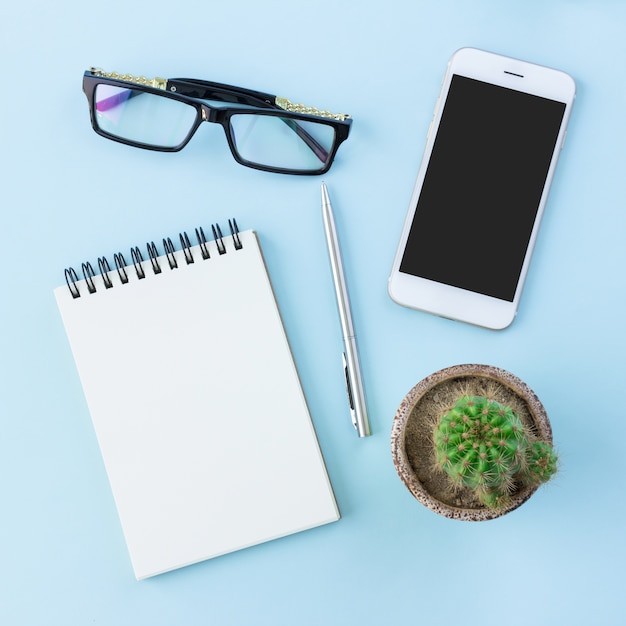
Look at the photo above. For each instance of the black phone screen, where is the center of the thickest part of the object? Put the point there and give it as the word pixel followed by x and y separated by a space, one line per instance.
pixel 482 187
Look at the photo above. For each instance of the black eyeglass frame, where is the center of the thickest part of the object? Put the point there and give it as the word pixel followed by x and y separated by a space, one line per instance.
pixel 195 92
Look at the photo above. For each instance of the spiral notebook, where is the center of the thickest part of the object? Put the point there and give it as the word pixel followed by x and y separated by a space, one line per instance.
pixel 195 399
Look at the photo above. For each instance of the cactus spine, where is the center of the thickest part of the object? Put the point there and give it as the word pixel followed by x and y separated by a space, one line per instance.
pixel 483 445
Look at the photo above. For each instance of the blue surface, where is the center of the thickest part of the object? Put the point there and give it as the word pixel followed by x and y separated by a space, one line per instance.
pixel 69 195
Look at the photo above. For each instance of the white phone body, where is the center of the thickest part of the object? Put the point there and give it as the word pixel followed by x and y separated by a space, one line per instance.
pixel 498 128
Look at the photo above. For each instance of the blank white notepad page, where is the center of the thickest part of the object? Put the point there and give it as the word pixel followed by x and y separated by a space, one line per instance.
pixel 197 407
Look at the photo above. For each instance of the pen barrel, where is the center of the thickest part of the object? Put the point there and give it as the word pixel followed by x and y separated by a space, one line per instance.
pixel 356 382
pixel 339 281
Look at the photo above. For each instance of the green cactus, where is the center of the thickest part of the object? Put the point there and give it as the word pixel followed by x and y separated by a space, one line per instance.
pixel 542 463
pixel 483 445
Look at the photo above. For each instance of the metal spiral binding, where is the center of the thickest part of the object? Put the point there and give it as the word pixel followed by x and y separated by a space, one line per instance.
pixel 89 275
pixel 120 266
pixel 153 253
pixel 169 253
pixel 234 231
pixel 219 238
pixel 186 247
pixel 137 258
pixel 71 278
pixel 105 268
pixel 202 243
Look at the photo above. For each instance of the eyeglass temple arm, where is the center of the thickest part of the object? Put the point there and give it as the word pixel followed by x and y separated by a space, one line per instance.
pixel 206 90
pixel 229 93
pixel 318 150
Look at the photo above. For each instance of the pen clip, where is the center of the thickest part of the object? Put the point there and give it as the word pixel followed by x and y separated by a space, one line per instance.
pixel 349 390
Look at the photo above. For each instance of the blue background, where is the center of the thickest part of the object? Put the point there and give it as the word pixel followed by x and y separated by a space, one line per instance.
pixel 69 195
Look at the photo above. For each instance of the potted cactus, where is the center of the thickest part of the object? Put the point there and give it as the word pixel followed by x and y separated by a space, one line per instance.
pixel 472 442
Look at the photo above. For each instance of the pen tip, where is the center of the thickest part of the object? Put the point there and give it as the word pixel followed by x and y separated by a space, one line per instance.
pixel 324 193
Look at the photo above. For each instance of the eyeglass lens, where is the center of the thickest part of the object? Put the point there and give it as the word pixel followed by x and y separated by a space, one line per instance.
pixel 262 139
pixel 282 142
pixel 135 115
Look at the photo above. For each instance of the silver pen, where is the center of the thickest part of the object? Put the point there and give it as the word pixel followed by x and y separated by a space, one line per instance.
pixel 351 366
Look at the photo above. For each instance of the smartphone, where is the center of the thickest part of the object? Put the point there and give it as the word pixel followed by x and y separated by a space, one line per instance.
pixel 498 128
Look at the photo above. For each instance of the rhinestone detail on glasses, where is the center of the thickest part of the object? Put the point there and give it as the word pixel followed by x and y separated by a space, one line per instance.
pixel 287 105
pixel 156 83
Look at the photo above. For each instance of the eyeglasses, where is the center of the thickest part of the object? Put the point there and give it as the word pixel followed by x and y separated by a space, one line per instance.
pixel 263 131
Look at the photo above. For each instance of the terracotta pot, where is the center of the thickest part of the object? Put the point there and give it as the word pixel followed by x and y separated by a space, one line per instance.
pixel 412 444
